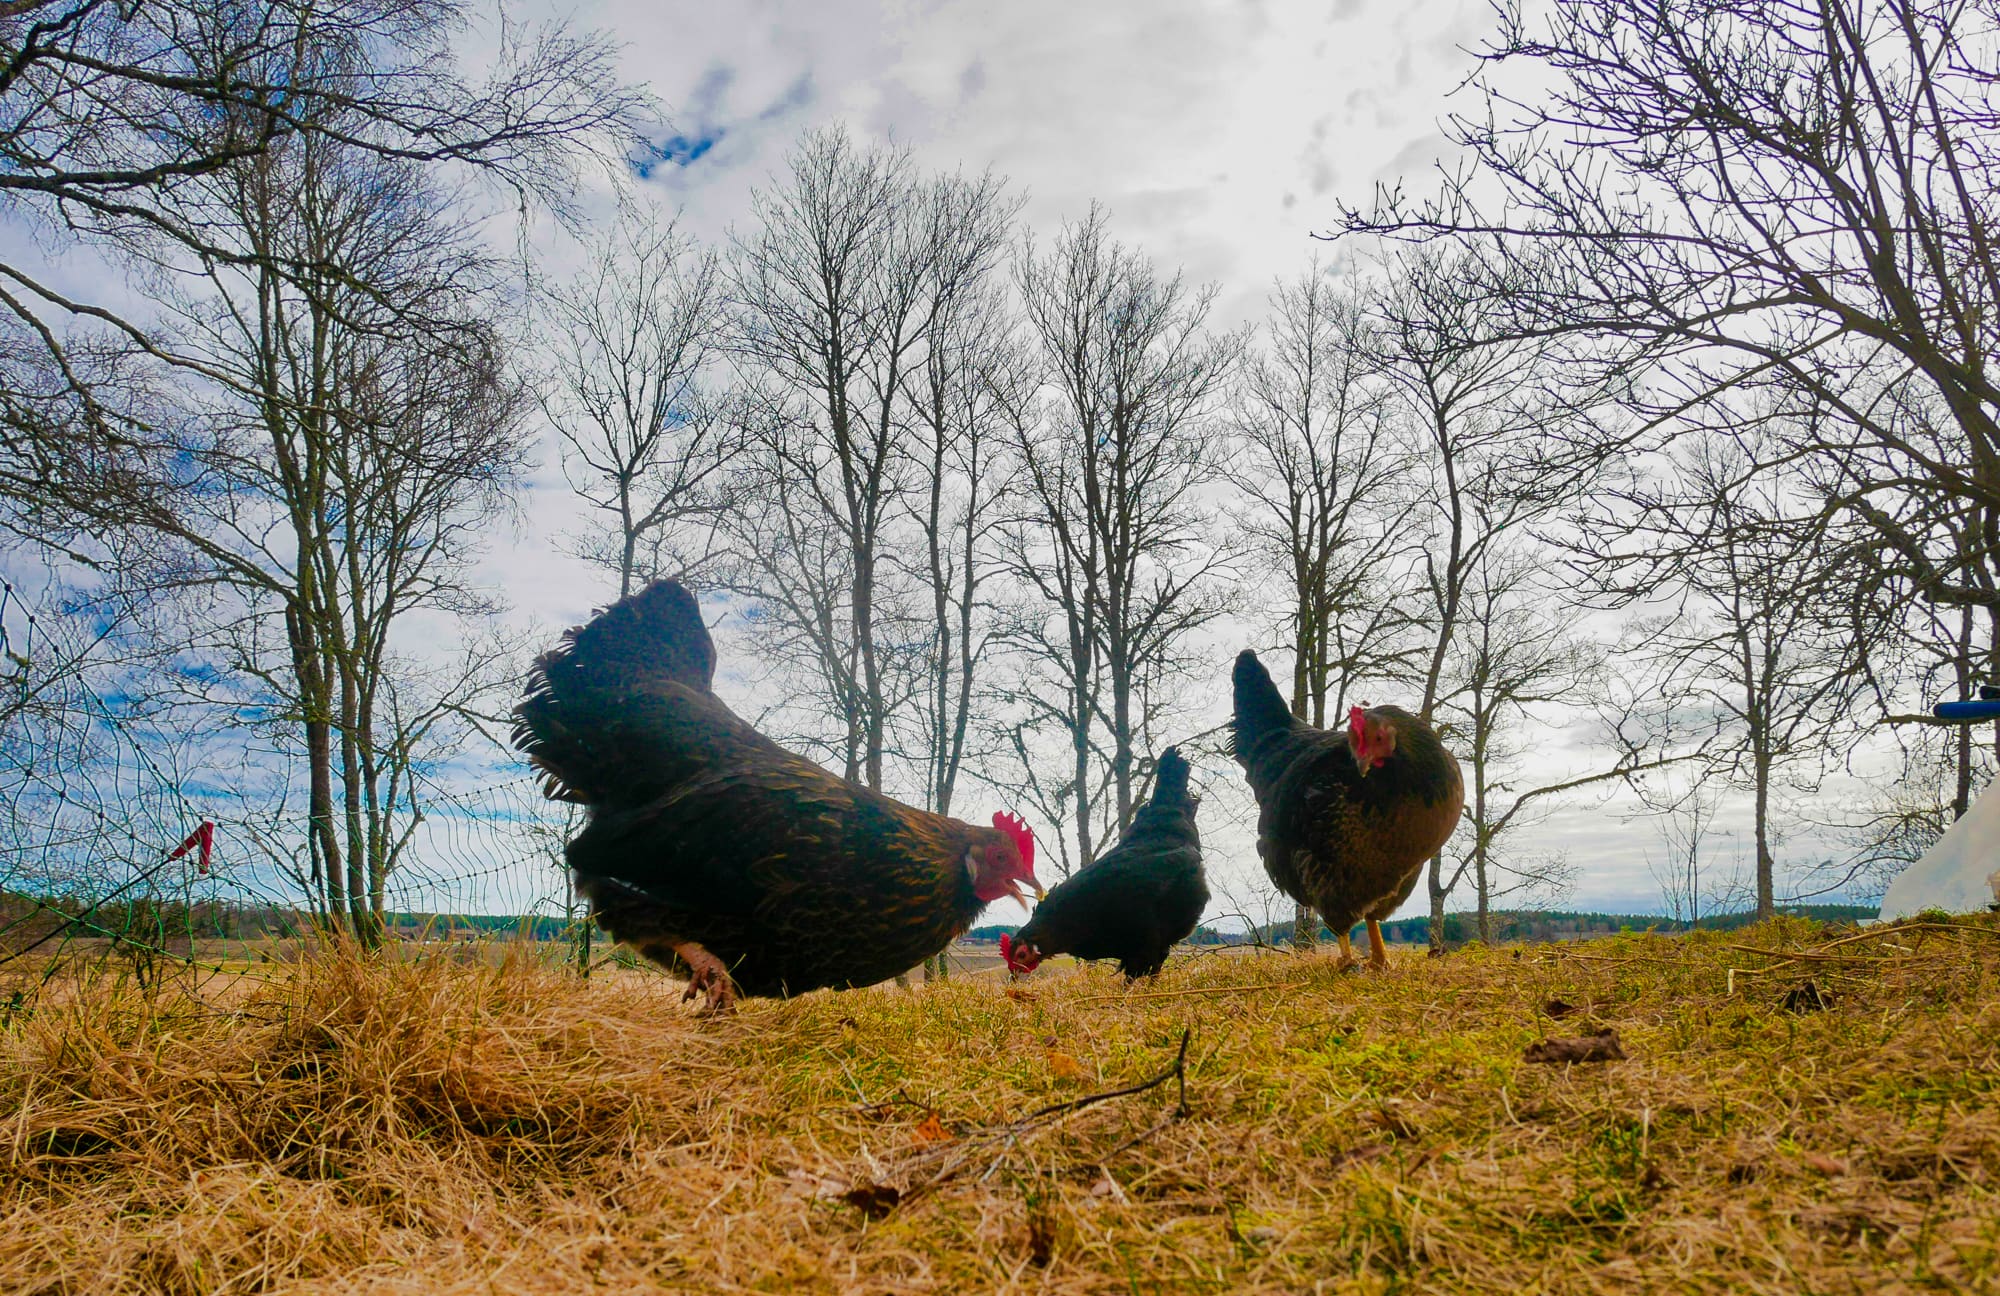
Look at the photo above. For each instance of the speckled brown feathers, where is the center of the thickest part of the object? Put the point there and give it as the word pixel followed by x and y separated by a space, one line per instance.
pixel 700 829
pixel 1350 846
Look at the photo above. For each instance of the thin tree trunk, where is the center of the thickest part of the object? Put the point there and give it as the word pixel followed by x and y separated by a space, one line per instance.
pixel 1121 735
pixel 1305 919
pixel 357 842
pixel 1961 799
pixel 1766 866
pixel 1438 892
pixel 323 843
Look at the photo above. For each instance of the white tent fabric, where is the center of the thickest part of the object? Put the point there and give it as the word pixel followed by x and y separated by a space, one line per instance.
pixel 1961 873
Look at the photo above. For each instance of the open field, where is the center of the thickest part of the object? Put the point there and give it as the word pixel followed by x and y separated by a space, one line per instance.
pixel 436 1125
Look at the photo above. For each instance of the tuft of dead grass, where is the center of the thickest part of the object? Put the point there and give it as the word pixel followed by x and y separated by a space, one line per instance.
pixel 340 1124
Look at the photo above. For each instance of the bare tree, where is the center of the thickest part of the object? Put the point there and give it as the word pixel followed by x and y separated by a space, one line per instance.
pixel 628 387
pixel 1492 410
pixel 1320 466
pixel 1786 207
pixel 1114 545
pixel 1774 668
pixel 1517 658
pixel 837 297
pixel 331 481
pixel 1317 463
pixel 111 108
pixel 1799 199
pixel 1689 823
pixel 971 377
pixel 277 172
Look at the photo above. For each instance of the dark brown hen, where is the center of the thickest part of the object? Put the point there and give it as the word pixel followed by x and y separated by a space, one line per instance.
pixel 712 849
pixel 1345 820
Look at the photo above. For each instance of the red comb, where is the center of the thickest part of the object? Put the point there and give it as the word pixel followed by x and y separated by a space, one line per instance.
pixel 1021 964
pixel 1357 720
pixel 1023 837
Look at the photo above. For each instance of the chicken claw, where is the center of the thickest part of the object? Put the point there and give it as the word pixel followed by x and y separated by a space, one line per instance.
pixel 707 975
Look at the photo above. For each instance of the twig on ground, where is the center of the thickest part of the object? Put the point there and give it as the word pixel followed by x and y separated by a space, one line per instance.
pixel 876 1197
pixel 1821 954
pixel 1816 956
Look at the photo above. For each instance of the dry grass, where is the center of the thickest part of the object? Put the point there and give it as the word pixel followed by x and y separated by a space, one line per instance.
pixel 338 1125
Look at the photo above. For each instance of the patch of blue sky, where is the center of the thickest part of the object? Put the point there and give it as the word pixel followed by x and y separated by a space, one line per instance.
pixel 679 150
pixel 706 107
pixel 797 95
pixel 202 671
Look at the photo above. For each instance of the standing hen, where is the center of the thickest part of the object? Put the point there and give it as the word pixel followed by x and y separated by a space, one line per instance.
pixel 1345 821
pixel 712 849
pixel 1135 902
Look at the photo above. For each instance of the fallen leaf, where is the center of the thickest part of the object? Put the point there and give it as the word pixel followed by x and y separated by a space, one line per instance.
pixel 873 1200
pixel 1106 1186
pixel 1041 1236
pixel 818 1187
pixel 1064 1067
pixel 1389 1117
pixel 1557 1008
pixel 1359 1153
pixel 1018 995
pixel 1807 997
pixel 932 1130
pixel 1600 1047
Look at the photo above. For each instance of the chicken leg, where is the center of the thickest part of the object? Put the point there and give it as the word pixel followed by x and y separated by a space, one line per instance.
pixel 1378 953
pixel 1347 960
pixel 707 975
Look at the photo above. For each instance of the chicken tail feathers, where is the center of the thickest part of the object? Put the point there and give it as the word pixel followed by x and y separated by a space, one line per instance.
pixel 1260 710
pixel 653 637
pixel 589 699
pixel 1170 780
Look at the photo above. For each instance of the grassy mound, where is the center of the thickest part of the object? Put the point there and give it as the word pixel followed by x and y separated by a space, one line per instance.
pixel 1797 1109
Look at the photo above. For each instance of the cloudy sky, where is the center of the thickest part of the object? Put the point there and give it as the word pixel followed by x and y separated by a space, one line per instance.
pixel 1219 133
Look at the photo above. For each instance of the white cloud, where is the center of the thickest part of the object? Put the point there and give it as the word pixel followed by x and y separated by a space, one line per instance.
pixel 1191 119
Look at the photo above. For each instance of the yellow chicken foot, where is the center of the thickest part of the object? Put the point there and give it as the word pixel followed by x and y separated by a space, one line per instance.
pixel 1378 953
pixel 1347 960
pixel 707 975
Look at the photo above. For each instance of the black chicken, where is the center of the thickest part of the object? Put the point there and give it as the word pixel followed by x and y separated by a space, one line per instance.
pixel 1131 905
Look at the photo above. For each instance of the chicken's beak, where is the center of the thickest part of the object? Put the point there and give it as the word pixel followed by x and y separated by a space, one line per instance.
pixel 1014 889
